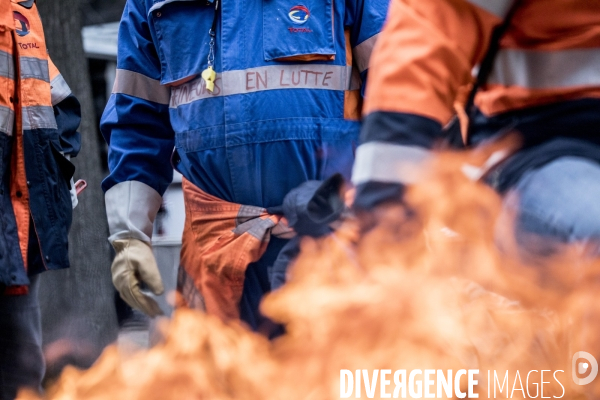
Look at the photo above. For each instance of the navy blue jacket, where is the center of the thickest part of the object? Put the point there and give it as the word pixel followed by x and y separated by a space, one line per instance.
pixel 39 118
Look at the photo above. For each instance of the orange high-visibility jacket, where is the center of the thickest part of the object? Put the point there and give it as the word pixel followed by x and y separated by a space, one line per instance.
pixel 38 126
pixel 425 58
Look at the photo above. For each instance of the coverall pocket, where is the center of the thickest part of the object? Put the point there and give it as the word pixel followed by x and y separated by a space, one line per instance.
pixel 300 31
pixel 180 29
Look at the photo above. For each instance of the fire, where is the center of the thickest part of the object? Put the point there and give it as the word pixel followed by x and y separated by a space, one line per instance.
pixel 428 288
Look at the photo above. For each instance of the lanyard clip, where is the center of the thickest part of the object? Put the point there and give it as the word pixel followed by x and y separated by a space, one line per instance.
pixel 209 75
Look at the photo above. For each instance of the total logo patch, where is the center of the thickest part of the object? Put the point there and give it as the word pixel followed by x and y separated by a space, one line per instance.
pixel 21 24
pixel 299 14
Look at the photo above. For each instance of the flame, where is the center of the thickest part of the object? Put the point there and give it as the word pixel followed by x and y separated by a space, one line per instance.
pixel 428 288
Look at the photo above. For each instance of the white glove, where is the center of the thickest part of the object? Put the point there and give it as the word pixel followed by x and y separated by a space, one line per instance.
pixel 133 264
pixel 131 208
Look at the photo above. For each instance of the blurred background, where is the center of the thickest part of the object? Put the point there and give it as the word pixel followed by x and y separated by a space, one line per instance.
pixel 81 311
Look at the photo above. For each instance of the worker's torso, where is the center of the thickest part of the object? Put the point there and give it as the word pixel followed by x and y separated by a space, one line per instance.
pixel 274 119
pixel 31 182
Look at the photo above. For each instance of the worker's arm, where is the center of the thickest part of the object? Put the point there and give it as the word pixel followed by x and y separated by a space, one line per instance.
pixel 425 53
pixel 140 141
pixel 67 112
pixel 135 124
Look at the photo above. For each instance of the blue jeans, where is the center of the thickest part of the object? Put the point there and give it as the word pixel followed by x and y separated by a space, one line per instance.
pixel 21 358
pixel 554 205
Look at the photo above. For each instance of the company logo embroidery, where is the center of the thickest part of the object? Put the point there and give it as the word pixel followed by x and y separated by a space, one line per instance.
pixel 299 30
pixel 299 15
pixel 21 24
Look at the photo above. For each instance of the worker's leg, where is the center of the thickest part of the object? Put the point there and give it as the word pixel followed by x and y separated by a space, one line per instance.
pixel 21 358
pixel 554 205
pixel 257 284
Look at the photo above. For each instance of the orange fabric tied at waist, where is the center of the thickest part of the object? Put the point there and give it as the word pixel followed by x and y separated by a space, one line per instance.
pixel 220 240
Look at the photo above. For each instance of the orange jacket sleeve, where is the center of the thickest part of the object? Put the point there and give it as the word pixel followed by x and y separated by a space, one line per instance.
pixel 425 54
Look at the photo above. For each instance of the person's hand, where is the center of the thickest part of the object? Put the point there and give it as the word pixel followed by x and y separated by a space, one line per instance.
pixel 133 266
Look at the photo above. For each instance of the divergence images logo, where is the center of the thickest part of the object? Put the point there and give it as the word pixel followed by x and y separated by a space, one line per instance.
pixel 584 364
pixel 21 23
pixel 299 14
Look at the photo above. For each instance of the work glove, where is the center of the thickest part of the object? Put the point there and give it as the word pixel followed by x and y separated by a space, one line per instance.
pixel 134 269
pixel 310 209
pixel 131 208
pixel 312 206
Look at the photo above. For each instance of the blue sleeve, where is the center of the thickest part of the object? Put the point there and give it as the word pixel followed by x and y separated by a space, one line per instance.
pixel 365 18
pixel 68 117
pixel 135 123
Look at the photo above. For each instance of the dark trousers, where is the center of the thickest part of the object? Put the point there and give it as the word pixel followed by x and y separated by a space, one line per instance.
pixel 256 285
pixel 21 358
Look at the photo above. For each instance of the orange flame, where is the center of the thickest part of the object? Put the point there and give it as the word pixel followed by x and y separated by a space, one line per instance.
pixel 430 291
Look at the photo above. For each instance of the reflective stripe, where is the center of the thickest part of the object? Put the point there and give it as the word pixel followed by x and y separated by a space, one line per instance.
pixel 36 68
pixel 304 76
pixel 355 80
pixel 7 65
pixel 162 3
pixel 7 120
pixel 547 69
pixel 38 117
pixel 59 89
pixel 362 52
pixel 390 163
pixel 131 207
pixel 140 86
pixel 497 7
